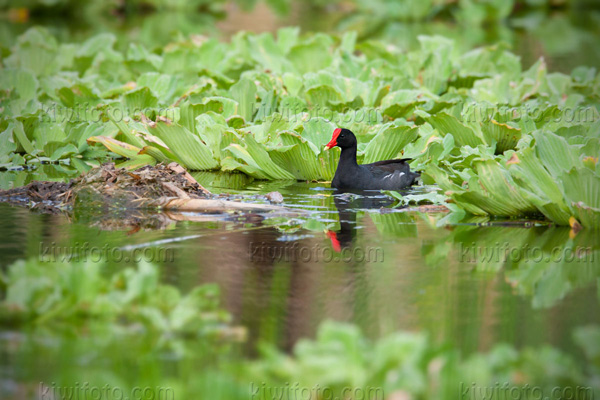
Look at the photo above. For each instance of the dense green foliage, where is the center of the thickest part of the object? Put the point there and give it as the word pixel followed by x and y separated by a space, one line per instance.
pixel 55 293
pixel 409 365
pixel 487 132
pixel 390 9
pixel 156 323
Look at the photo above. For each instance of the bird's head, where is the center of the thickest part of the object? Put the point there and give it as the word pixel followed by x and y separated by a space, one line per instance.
pixel 342 138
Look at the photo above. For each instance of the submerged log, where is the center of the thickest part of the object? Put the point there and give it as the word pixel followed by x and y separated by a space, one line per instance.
pixel 212 205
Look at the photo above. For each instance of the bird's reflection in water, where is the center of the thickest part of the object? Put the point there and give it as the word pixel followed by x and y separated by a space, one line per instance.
pixel 277 263
pixel 347 205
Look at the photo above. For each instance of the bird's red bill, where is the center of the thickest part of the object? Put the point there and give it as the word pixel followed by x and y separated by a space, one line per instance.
pixel 333 141
pixel 335 243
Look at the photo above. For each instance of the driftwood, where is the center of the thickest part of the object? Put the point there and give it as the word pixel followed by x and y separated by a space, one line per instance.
pixel 180 170
pixel 212 205
pixel 108 190
pixel 180 193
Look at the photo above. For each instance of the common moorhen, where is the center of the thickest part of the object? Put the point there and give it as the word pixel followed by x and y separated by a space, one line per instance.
pixel 381 175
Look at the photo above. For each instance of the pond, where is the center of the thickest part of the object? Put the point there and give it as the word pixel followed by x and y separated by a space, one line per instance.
pixel 351 258
pixel 215 305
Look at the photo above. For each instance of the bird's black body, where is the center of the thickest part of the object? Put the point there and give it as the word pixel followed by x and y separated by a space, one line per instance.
pixel 381 175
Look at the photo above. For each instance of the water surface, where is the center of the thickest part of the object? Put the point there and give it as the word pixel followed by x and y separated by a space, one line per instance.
pixel 384 269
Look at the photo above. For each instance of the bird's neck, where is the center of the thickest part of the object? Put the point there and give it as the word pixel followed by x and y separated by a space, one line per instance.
pixel 348 157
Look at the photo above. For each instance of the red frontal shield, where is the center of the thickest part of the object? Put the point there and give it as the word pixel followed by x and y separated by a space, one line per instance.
pixel 333 141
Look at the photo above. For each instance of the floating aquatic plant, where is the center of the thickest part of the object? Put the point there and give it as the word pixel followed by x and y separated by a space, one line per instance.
pixel 497 139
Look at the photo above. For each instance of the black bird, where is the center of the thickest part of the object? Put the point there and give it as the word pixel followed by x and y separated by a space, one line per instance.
pixel 381 175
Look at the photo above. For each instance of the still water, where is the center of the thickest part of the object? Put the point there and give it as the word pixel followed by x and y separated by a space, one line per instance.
pixel 351 258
